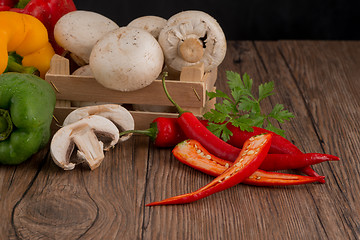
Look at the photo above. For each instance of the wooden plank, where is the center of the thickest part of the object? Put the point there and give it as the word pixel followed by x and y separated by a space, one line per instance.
pixel 194 73
pixel 83 88
pixel 15 181
pixel 88 204
pixel 327 75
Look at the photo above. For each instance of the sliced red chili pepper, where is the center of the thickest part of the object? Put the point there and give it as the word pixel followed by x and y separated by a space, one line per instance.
pixel 280 145
pixel 249 159
pixel 193 154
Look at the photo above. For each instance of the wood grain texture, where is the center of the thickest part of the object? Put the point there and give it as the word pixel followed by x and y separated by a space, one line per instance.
pixel 316 80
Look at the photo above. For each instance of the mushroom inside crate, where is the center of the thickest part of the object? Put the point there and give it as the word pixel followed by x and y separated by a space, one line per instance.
pixel 152 24
pixel 78 31
pixel 192 37
pixel 126 59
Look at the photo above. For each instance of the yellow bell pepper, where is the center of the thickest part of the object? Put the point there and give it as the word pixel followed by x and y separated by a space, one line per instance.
pixel 28 37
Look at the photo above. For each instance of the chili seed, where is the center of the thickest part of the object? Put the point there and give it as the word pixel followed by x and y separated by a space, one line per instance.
pixel 198 151
pixel 227 165
pixel 208 156
pixel 258 178
pixel 251 152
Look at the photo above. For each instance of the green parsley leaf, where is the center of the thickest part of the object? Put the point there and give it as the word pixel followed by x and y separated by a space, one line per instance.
pixel 280 114
pixel 220 130
pixel 242 109
pixel 266 90
pixel 217 94
pixel 274 129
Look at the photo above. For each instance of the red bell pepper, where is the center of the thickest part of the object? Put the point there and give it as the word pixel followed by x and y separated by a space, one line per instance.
pixel 193 154
pixel 248 161
pixel 48 12
pixel 8 3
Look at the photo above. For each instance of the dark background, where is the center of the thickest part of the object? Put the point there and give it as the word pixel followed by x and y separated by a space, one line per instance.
pixel 250 19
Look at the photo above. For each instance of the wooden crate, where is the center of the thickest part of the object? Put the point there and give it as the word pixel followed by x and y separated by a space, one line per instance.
pixel 187 89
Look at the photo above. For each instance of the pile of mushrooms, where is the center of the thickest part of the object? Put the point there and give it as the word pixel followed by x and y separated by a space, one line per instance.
pixel 131 57
pixel 87 132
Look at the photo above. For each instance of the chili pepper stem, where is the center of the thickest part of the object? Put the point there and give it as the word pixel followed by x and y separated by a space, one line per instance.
pixel 178 108
pixel 151 132
pixel 6 124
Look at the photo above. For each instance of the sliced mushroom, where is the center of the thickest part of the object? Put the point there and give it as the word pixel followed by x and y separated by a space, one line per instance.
pixel 91 136
pixel 191 37
pixel 152 24
pixel 119 115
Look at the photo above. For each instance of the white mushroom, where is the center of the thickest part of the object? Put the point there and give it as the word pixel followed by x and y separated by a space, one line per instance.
pixel 126 59
pixel 78 31
pixel 191 37
pixel 152 24
pixel 119 115
pixel 91 136
pixel 83 71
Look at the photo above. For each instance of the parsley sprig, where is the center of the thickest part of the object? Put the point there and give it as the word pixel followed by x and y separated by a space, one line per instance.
pixel 242 109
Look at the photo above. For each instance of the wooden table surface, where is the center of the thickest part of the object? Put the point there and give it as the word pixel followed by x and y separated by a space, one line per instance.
pixel 316 80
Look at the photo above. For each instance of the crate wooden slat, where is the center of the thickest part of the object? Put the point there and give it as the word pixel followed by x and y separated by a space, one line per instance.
pixel 189 92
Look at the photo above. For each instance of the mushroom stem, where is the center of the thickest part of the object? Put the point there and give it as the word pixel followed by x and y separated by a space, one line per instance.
pixel 90 149
pixel 191 50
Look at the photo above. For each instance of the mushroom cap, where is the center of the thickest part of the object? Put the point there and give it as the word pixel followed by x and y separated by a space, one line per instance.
pixel 152 24
pixel 126 59
pixel 83 71
pixel 63 142
pixel 198 29
pixel 78 31
pixel 117 114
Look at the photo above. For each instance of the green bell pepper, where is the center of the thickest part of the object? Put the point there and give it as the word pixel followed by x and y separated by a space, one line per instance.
pixel 27 103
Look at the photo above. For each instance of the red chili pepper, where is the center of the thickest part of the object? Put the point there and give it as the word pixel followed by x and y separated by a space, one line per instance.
pixel 276 162
pixel 280 145
pixel 48 12
pixel 193 154
pixel 164 132
pixel 248 161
